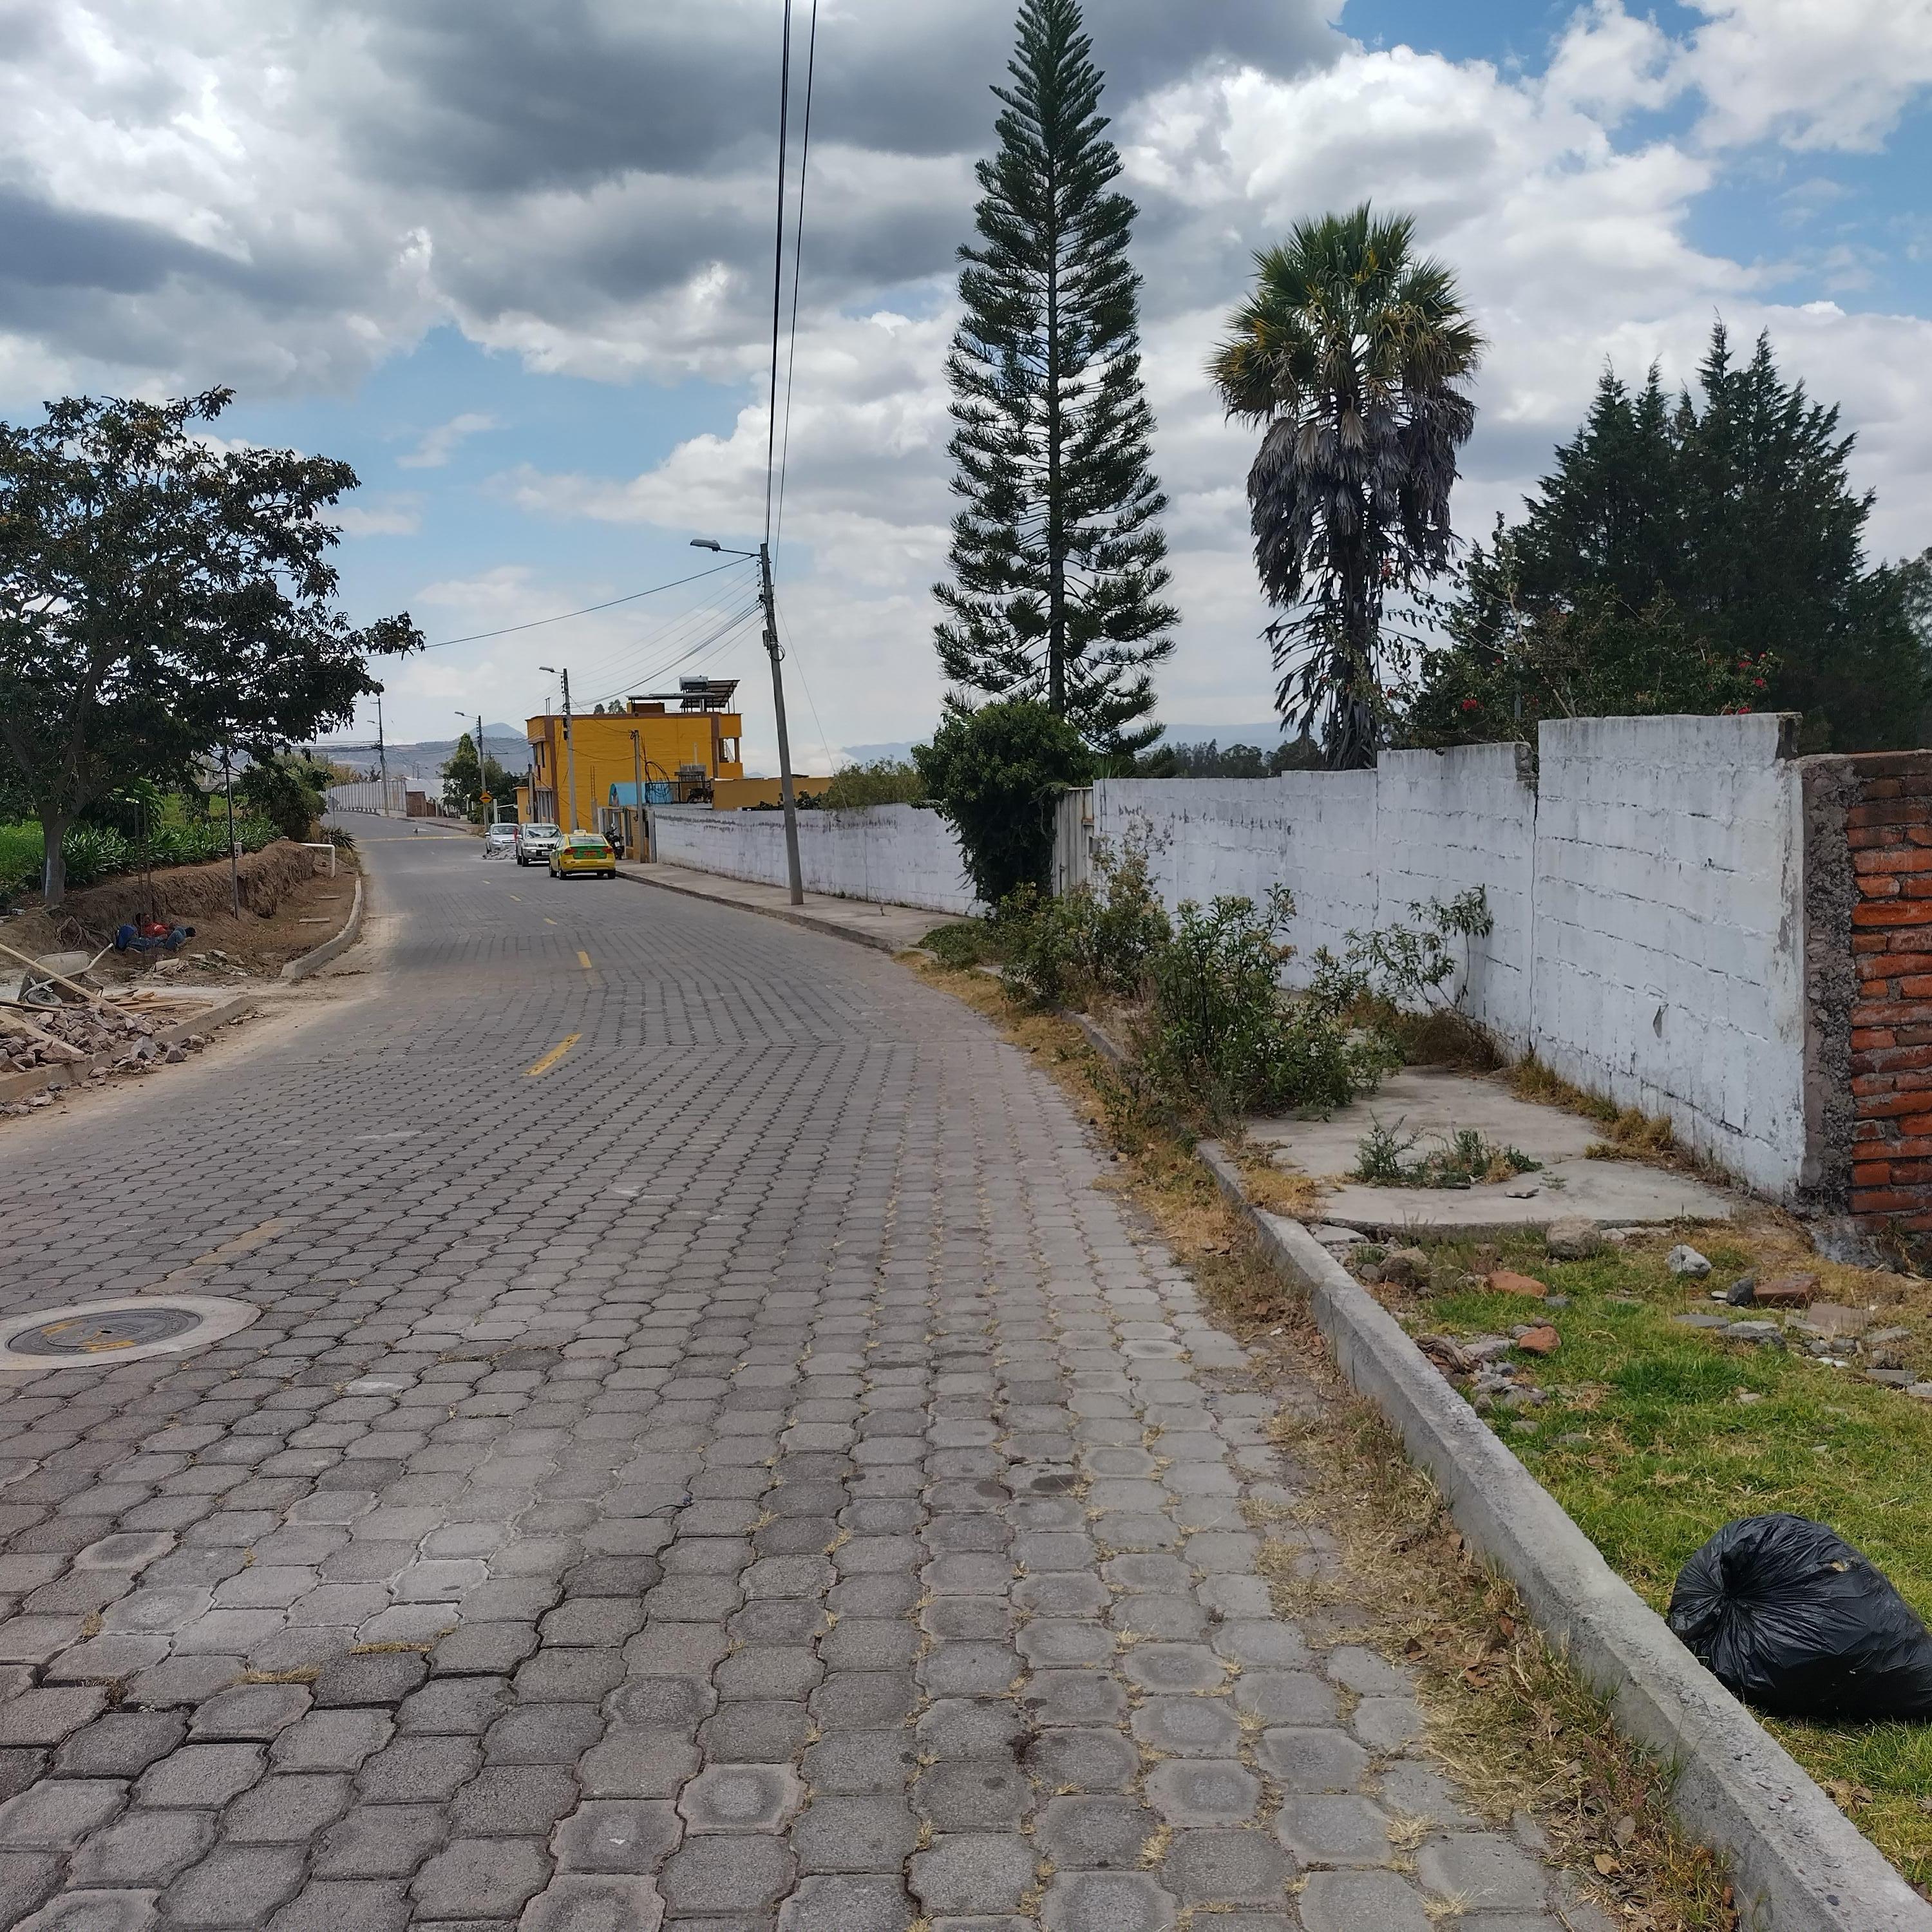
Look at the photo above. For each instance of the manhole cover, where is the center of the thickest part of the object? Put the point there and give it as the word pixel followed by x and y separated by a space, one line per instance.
pixel 101 1334
pixel 126 1330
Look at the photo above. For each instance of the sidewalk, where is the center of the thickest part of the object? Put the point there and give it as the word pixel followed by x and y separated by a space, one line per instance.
pixel 891 928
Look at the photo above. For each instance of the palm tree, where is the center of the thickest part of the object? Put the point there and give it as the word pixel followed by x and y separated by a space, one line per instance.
pixel 1348 353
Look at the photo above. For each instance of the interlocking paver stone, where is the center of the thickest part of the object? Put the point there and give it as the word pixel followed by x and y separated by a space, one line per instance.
pixel 1485 1871
pixel 852 1453
pixel 1107 1902
pixel 972 1872
pixel 1362 1901
pixel 1226 1868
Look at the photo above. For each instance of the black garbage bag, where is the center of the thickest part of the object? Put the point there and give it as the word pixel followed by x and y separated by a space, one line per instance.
pixel 1788 1616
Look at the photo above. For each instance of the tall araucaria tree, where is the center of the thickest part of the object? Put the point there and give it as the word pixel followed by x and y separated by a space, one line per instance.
pixel 1058 559
pixel 1349 354
pixel 161 599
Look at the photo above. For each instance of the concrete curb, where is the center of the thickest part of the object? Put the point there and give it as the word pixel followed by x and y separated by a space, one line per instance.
pixel 1799 1864
pixel 314 962
pixel 791 915
pixel 75 1073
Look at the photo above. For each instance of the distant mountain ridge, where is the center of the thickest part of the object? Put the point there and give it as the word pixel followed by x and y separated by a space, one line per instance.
pixel 426 757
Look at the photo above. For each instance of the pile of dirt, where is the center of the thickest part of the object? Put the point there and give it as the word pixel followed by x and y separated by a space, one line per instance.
pixel 303 907
pixel 185 895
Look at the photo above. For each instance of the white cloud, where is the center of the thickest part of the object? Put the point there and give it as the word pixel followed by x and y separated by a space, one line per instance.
pixel 399 516
pixel 1815 73
pixel 438 444
pixel 286 194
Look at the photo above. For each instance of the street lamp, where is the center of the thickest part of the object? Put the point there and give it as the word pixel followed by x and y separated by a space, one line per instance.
pixel 763 555
pixel 483 799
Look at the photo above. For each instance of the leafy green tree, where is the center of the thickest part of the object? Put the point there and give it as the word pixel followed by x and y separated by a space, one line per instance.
pixel 994 774
pixel 1701 554
pixel 1058 559
pixel 282 790
pixel 1348 354
pixel 159 598
pixel 879 781
pixel 461 790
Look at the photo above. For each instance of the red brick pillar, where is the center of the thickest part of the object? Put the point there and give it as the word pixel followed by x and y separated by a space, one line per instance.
pixel 1868 982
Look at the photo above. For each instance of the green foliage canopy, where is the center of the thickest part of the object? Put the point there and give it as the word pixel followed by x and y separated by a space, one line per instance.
pixel 994 775
pixel 1689 555
pixel 1058 559
pixel 159 598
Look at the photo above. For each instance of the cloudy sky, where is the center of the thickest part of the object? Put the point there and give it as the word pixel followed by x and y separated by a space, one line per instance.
pixel 513 262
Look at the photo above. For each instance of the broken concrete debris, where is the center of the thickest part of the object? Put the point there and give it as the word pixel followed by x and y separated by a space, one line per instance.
pixel 1684 1259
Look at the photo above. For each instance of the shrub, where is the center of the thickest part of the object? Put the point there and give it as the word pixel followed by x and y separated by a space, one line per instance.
pixel 994 774
pixel 1222 1040
pixel 880 781
pixel 1063 952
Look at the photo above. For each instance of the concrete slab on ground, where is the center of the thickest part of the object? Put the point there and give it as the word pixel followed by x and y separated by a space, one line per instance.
pixel 891 928
pixel 1426 1102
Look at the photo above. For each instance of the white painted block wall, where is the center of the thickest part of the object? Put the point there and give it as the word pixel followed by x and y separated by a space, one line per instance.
pixel 1646 889
pixel 1668 971
pixel 1357 849
pixel 897 854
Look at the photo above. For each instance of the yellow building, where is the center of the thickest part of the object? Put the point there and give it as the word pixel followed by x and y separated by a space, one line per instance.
pixel 685 739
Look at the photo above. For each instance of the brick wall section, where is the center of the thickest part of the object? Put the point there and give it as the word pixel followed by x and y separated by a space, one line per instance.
pixel 1888 834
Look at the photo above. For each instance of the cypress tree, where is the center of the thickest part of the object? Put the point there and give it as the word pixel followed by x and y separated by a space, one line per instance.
pixel 1058 559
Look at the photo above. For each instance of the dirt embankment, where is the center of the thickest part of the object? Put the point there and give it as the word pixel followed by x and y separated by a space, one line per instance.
pixel 288 909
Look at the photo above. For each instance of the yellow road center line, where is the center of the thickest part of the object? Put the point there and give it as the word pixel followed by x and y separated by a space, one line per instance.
pixel 583 959
pixel 548 920
pixel 518 897
pixel 551 1059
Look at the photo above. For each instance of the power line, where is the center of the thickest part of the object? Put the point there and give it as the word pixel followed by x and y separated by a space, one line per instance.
pixel 824 742
pixel 650 673
pixel 778 269
pixel 797 269
pixel 618 661
pixel 537 623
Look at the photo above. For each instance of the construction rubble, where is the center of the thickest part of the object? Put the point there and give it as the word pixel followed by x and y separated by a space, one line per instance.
pixel 47 1019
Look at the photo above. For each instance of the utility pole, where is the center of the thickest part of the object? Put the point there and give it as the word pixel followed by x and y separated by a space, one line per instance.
pixel 569 748
pixel 637 773
pixel 793 870
pixel 381 754
pixel 486 806
pixel 763 555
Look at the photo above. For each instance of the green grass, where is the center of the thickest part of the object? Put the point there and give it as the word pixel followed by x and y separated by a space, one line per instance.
pixel 1645 1443
pixel 20 853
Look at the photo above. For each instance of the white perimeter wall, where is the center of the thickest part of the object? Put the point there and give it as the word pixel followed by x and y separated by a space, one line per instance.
pixel 1670 937
pixel 1646 888
pixel 1357 849
pixel 898 854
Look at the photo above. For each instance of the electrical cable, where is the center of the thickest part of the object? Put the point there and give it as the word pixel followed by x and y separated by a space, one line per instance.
pixel 623 660
pixel 797 268
pixel 733 621
pixel 537 623
pixel 791 649
pixel 778 269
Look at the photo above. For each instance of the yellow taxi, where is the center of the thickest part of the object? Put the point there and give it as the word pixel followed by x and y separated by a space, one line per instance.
pixel 583 852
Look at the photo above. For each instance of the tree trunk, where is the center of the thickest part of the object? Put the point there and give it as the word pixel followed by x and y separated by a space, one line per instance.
pixel 53 865
pixel 1056 535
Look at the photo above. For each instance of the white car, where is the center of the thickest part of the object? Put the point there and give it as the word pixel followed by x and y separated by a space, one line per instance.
pixel 536 841
pixel 499 842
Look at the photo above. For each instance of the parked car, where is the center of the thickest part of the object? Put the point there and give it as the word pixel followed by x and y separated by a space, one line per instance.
pixel 500 841
pixel 583 852
pixel 537 840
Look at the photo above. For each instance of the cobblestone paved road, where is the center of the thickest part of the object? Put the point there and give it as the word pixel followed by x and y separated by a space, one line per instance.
pixel 746 1477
